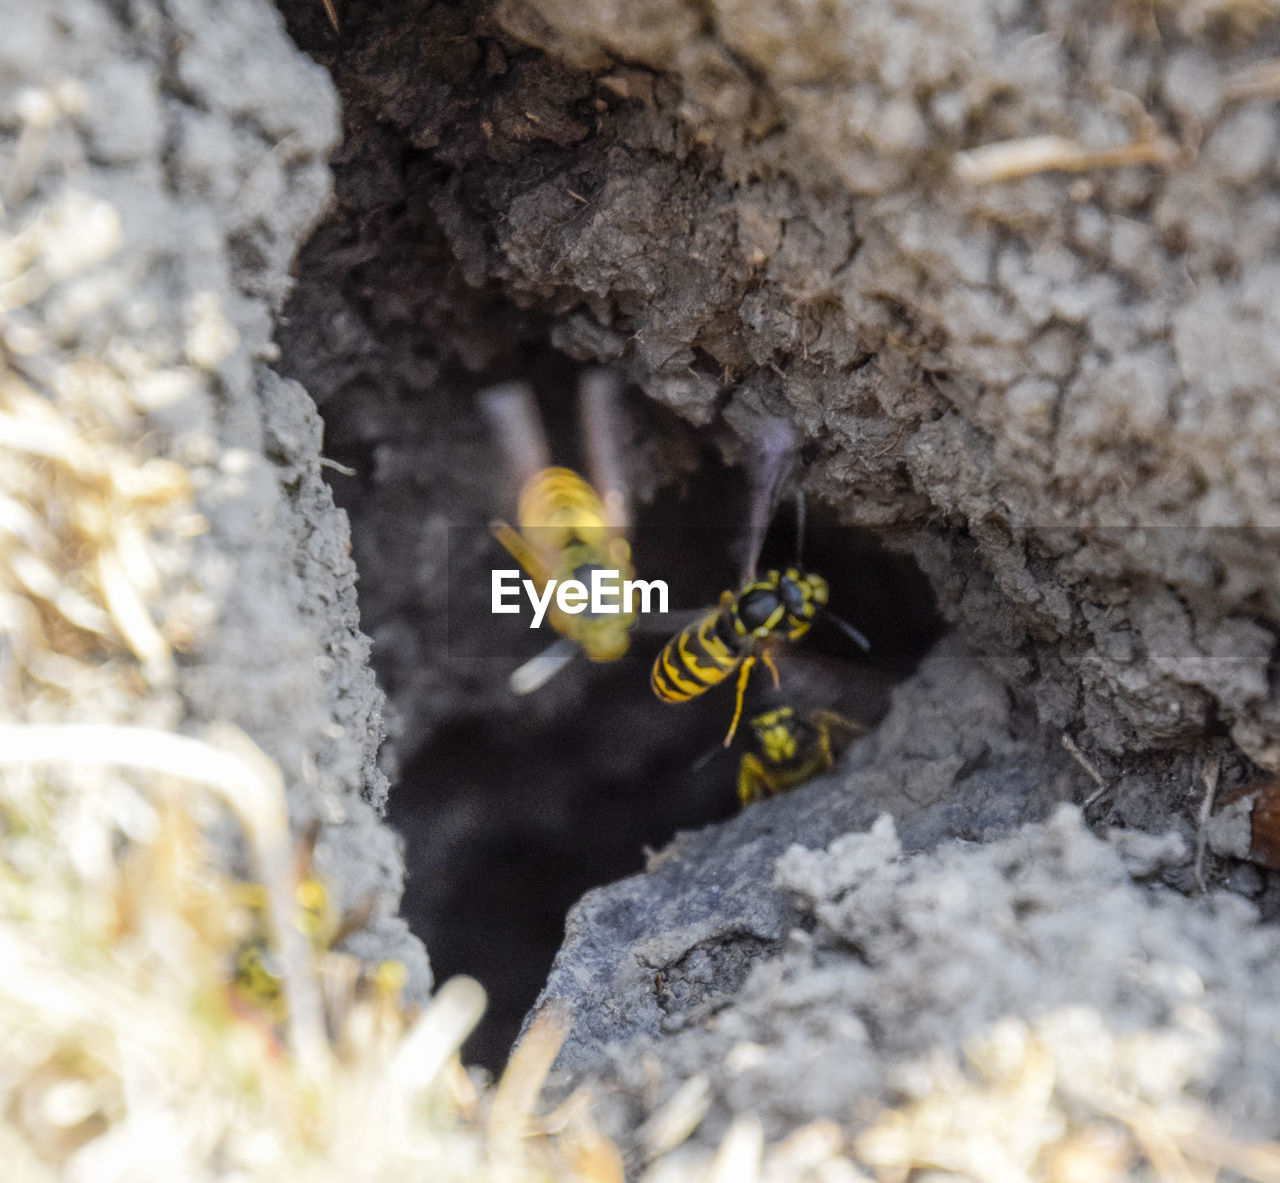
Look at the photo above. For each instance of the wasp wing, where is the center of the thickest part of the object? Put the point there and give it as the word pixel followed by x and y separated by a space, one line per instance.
pixel 773 460
pixel 543 666
pixel 513 416
pixel 601 416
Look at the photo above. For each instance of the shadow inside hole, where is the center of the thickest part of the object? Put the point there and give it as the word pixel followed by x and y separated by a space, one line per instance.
pixel 506 827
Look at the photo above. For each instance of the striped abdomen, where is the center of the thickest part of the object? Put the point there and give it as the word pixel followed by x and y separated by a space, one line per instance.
pixel 558 508
pixel 698 657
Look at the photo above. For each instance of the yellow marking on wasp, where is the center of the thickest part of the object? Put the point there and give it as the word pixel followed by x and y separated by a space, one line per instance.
pixel 710 650
pixel 789 750
pixel 564 533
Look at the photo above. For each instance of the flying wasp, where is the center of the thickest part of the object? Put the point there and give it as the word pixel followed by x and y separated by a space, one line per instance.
pixel 567 527
pixel 788 749
pixel 764 611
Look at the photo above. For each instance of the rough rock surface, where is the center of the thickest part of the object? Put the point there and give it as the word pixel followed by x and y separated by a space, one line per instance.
pixel 1050 374
pixel 667 950
pixel 649 954
pixel 184 143
pixel 900 960
pixel 1057 388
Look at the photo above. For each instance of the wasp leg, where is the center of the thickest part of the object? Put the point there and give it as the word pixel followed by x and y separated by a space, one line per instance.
pixel 542 667
pixel 767 658
pixel 836 732
pixel 743 675
pixel 826 753
pixel 754 782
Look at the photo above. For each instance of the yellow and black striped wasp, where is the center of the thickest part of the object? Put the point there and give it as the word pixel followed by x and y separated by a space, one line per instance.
pixel 567 528
pixel 788 748
pixel 764 611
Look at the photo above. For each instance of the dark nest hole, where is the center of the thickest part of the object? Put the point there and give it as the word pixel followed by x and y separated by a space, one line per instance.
pixel 514 810
pixel 512 807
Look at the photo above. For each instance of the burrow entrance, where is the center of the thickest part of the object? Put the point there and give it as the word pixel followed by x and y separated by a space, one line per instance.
pixel 511 807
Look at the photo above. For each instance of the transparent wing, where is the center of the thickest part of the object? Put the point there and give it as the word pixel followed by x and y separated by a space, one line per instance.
pixel 513 416
pixel 600 413
pixel 542 667
pixel 774 458
pixel 814 680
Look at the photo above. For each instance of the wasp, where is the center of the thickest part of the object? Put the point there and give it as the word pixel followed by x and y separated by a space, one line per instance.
pixel 787 749
pixel 567 528
pixel 764 611
pixel 257 975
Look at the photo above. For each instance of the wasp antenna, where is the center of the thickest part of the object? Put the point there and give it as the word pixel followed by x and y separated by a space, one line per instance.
pixel 845 627
pixel 800 526
pixel 702 761
pixel 542 667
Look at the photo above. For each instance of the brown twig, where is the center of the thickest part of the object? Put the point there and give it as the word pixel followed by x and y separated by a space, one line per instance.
pixel 1072 749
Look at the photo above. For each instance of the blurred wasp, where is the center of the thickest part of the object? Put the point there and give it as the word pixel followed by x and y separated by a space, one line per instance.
pixel 257 977
pixel 567 527
pixel 743 628
pixel 787 749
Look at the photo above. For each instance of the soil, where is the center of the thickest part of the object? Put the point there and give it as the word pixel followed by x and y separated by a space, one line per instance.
pixel 1034 410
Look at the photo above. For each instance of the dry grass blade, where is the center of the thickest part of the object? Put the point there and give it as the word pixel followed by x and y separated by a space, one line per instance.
pixel 84 512
pixel 246 781
pixel 438 1034
pixel 1259 81
pixel 1258 1161
pixel 1065 1100
pixel 740 1156
pixel 676 1119
pixel 1011 159
pixel 526 1072
pixel 1238 19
